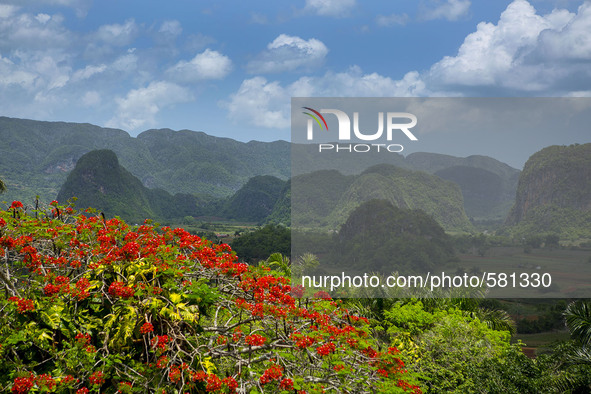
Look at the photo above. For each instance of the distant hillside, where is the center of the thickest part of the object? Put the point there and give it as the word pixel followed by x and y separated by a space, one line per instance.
pixel 325 199
pixel 98 181
pixel 255 201
pixel 281 213
pixel 488 185
pixel 379 237
pixel 36 158
pixel 554 193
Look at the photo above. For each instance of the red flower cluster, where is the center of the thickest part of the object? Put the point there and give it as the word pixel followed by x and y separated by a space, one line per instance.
pixel 44 382
pixel 255 340
pixel 97 378
pixel 83 339
pixel 80 291
pixel 23 385
pixel 286 384
pixel 16 204
pixel 160 341
pixel 326 349
pixel 118 289
pixel 175 374
pixel 302 341
pixel 22 304
pixel 61 284
pixel 146 328
pixel 274 372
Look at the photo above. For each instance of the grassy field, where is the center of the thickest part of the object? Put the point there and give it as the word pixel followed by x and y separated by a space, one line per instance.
pixel 570 271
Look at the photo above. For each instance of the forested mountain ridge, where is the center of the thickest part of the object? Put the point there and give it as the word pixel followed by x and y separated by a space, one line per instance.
pixel 36 158
pixel 554 192
pixel 325 199
pixel 99 181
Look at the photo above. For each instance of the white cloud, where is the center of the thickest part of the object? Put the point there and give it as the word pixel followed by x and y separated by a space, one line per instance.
pixel 80 6
pixel 28 32
pixel 336 8
pixel 117 34
pixel 7 10
pixel 206 65
pixel 43 18
pixel 126 63
pixel 523 52
pixel 11 74
pixel 88 72
pixel 140 107
pixel 260 103
pixel 392 20
pixel 450 10
pixel 288 53
pixel 267 104
pixel 570 42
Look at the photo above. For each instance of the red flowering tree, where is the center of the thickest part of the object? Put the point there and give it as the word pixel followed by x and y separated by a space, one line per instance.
pixel 95 305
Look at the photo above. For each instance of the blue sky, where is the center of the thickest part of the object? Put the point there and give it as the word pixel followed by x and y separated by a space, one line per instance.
pixel 229 68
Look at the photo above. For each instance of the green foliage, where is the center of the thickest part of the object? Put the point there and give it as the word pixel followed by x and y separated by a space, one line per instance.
pixel 453 351
pixel 261 243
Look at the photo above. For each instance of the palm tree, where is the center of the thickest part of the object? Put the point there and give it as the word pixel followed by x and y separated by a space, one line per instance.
pixel 578 321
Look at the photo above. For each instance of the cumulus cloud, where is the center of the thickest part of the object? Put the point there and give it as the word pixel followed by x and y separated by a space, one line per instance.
pixel 289 53
pixel 392 20
pixel 336 8
pixel 140 106
pixel 264 103
pixel 523 52
pixel 206 65
pixel 450 10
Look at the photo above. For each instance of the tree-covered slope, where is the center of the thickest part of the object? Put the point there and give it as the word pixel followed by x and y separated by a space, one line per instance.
pixel 255 201
pixel 99 181
pixel 554 192
pixel 488 185
pixel 383 238
pixel 326 198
